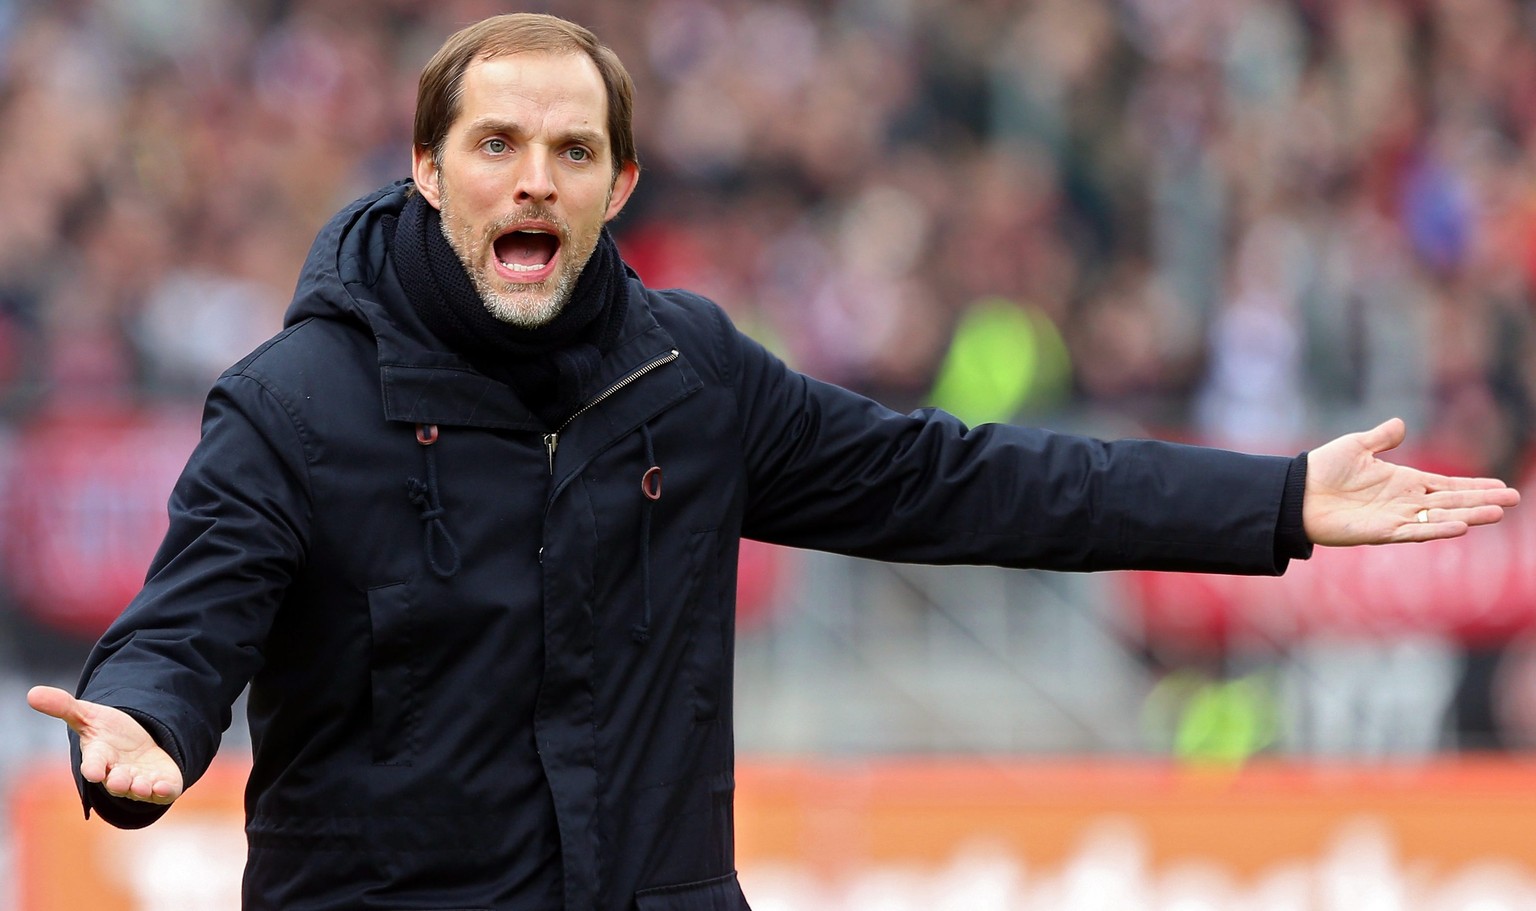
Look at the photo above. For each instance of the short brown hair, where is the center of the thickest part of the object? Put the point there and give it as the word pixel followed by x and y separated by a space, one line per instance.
pixel 441 89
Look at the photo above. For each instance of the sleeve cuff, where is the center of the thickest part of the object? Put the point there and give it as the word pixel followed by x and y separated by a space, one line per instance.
pixel 1290 532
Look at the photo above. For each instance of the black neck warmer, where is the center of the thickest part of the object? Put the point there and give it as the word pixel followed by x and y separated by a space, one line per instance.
pixel 548 366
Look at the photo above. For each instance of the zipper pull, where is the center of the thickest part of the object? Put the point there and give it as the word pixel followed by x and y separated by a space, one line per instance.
pixel 551 442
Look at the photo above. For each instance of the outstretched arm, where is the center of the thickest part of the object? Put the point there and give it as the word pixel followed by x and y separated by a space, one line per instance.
pixel 116 752
pixel 1352 497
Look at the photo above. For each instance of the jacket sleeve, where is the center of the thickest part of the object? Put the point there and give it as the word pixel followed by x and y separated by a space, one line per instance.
pixel 832 470
pixel 184 648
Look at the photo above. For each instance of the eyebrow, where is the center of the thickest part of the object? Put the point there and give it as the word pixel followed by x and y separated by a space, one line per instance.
pixel 512 128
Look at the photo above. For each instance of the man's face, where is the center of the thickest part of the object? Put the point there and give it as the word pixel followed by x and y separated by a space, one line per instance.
pixel 526 180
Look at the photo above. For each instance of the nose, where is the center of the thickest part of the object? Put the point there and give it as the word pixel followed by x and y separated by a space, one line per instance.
pixel 535 179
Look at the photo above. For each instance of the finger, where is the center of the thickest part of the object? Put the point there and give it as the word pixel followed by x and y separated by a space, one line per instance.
pixel 1452 514
pixel 119 781
pixel 95 760
pixel 133 784
pixel 165 791
pixel 143 787
pixel 1445 482
pixel 151 787
pixel 1501 498
pixel 1468 516
pixel 1413 531
pixel 57 703
pixel 1387 435
pixel 1436 526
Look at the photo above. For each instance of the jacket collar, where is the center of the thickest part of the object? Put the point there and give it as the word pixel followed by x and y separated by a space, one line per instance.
pixel 428 387
pixel 348 276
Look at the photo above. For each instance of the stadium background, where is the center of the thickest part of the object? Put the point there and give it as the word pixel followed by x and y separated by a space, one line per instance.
pixel 1253 223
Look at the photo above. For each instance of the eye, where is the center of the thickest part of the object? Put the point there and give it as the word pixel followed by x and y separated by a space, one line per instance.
pixel 578 153
pixel 496 146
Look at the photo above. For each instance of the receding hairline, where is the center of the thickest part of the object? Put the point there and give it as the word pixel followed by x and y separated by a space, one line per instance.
pixel 487 123
pixel 441 88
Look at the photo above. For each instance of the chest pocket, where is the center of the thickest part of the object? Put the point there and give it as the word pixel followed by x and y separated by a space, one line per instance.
pixel 707 663
pixel 393 675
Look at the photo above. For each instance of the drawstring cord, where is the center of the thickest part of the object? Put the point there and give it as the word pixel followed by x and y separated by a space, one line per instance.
pixel 426 499
pixel 650 486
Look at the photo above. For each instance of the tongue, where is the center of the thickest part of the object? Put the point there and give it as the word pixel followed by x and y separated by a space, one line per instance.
pixel 523 249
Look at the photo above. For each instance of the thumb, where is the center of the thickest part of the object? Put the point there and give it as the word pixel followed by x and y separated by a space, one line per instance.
pixel 57 703
pixel 1387 435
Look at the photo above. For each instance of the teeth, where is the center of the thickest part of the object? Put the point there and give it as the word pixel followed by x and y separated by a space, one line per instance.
pixel 519 267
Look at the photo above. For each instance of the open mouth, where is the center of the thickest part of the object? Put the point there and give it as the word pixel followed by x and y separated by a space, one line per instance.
pixel 527 254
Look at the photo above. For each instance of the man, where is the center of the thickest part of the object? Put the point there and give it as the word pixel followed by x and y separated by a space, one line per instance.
pixel 468 528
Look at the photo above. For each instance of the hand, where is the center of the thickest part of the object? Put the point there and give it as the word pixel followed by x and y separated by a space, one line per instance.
pixel 1352 497
pixel 115 750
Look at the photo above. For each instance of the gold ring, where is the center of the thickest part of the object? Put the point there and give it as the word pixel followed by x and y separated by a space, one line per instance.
pixel 1423 515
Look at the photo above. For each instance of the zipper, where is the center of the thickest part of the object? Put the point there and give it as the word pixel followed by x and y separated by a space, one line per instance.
pixel 552 440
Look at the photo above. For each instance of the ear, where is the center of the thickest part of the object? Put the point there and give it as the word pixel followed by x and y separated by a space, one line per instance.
pixel 424 172
pixel 623 185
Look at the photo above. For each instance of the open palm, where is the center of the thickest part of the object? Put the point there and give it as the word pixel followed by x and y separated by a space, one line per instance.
pixel 115 750
pixel 1352 497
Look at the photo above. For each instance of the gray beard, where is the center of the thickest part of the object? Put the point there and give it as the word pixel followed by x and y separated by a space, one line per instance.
pixel 514 308
pixel 524 310
pixel 520 309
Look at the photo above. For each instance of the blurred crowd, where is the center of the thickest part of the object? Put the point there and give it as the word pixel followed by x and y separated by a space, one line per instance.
pixel 1248 222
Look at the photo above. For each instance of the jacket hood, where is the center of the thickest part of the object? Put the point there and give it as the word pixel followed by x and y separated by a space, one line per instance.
pixel 347 276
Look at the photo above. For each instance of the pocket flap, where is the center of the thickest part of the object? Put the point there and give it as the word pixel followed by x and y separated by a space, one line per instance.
pixel 722 893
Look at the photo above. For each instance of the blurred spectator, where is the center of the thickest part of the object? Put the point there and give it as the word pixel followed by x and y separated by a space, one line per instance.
pixel 1278 193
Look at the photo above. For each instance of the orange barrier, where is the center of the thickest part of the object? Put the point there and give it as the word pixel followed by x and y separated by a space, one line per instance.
pixel 841 818
pixel 821 835
pixel 192 858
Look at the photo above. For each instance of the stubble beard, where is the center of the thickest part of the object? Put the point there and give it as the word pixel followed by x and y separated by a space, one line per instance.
pixel 521 306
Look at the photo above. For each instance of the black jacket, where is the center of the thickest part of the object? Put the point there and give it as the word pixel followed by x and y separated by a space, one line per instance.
pixel 487 669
